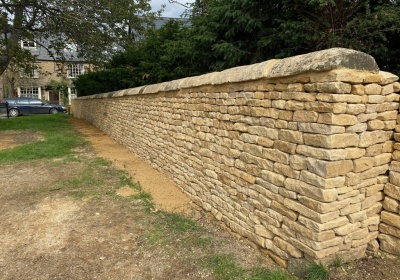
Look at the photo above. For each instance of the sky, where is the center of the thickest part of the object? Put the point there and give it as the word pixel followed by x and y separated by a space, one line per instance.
pixel 170 10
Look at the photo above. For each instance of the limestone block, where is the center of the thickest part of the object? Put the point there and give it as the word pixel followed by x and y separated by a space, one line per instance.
pixel 365 240
pixel 281 124
pixel 298 162
pixel 386 116
pixel 287 247
pixel 276 155
pixel 375 125
pixel 360 233
pixel 390 230
pixel 354 153
pixel 357 217
pixel 372 190
pixel 329 169
pixel 297 87
pixel 333 87
pixel 293 105
pixel 352 208
pixel 389 244
pixel 285 147
pixel 347 229
pixel 339 98
pixel 322 207
pixel 366 117
pixel 391 205
pixel 320 128
pixel 396 87
pixel 375 209
pixel 357 89
pixel 355 109
pixel 263 231
pixel 362 164
pixel 323 195
pixel 394 178
pixel 357 128
pixel 264 112
pixel 304 116
pixel 334 119
pixel 289 194
pixel 339 75
pixel 284 210
pixel 322 61
pixel 389 125
pixel 307 212
pixel 388 89
pixel 392 191
pixel 314 254
pixel 373 89
pixel 392 97
pixel 387 78
pixel 374 220
pixel 286 170
pixel 390 218
pixel 299 96
pixel 374 150
pixel 320 153
pixel 326 107
pixel 310 88
pixel 273 177
pixel 333 141
pixel 395 166
pixel 324 183
pixel 279 104
pixel 249 138
pixel 369 138
pixel 375 99
pixel 323 227
pixel 315 245
pixel 291 136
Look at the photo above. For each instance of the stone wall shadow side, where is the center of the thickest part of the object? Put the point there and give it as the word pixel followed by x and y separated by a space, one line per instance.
pixel 292 154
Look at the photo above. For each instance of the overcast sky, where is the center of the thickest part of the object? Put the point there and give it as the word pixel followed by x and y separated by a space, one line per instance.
pixel 171 10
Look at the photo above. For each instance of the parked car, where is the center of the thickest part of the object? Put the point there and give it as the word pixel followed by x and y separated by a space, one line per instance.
pixel 28 105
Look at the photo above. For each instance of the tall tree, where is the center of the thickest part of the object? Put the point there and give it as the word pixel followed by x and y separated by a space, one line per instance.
pixel 92 28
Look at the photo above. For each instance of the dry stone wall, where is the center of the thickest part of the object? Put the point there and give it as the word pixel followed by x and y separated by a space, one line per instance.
pixel 292 154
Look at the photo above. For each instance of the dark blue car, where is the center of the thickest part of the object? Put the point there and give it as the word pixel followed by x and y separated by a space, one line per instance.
pixel 27 105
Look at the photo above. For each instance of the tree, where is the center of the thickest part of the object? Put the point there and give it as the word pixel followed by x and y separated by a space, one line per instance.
pixel 91 29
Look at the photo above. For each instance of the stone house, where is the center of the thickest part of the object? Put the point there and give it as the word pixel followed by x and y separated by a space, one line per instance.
pixel 35 80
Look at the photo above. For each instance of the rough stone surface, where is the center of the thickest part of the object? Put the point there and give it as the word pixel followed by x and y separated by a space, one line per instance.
pixel 293 154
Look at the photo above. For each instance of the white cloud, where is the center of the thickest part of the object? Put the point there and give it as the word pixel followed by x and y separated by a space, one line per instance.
pixel 171 10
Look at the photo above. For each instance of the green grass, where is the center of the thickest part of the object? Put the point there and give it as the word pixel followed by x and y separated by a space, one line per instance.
pixel 225 267
pixel 317 272
pixel 59 138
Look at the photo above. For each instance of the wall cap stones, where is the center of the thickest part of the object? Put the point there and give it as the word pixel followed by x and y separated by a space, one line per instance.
pixel 325 60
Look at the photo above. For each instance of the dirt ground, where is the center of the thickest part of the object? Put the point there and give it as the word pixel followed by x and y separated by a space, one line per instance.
pixel 47 234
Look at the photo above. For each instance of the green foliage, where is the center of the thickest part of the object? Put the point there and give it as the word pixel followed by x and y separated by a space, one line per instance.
pixel 59 139
pixel 317 272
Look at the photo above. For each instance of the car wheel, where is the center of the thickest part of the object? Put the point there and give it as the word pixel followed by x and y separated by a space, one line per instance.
pixel 13 113
pixel 53 111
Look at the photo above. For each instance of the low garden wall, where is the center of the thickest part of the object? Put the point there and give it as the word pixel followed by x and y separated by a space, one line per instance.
pixel 293 154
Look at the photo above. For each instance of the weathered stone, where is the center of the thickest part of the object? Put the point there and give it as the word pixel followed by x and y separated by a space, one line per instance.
pixel 305 116
pixel 390 219
pixel 322 207
pixel 362 164
pixel 334 87
pixel 287 247
pixel 334 119
pixel 389 244
pixel 315 180
pixel 332 141
pixel 323 195
pixel 263 232
pixel 373 89
pixel 329 169
pixel 387 229
pixel 391 205
pixel 387 78
pixel 354 153
pixel 325 154
pixel 326 107
pixel 291 136
pixel 370 138
pixel 347 229
pixel 321 128
pixel 339 98
pixel 307 212
pixel 339 75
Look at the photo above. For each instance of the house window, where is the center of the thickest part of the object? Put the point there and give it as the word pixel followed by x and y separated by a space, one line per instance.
pixel 28 44
pixel 30 72
pixel 29 92
pixel 74 70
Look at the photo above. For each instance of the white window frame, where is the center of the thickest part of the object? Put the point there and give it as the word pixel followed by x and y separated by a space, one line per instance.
pixel 74 70
pixel 28 44
pixel 34 92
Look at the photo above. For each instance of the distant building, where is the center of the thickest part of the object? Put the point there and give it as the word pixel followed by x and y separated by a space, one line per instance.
pixel 35 80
